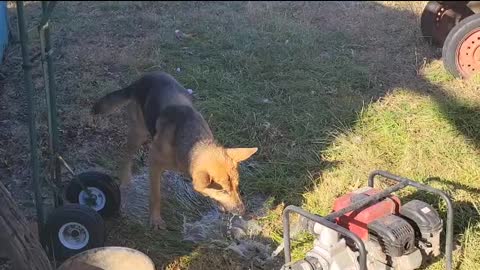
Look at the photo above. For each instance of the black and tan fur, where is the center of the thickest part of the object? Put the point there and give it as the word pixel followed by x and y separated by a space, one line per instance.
pixel 181 140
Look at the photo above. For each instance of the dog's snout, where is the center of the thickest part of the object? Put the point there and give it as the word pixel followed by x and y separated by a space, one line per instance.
pixel 239 210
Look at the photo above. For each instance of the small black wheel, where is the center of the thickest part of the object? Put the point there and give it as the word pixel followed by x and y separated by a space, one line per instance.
pixel 102 192
pixel 461 50
pixel 72 229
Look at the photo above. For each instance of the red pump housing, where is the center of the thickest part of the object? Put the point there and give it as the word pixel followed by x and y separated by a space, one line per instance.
pixel 358 220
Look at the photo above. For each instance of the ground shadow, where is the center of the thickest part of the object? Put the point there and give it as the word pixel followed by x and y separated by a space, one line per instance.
pixel 386 67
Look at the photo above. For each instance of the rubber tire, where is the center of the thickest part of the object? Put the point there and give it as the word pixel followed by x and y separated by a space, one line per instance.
pixel 454 39
pixel 101 181
pixel 427 21
pixel 81 214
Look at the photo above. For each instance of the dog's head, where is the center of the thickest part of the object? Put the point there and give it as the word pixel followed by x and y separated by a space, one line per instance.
pixel 219 178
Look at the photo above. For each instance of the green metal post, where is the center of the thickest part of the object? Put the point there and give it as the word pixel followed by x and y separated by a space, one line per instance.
pixel 27 66
pixel 48 74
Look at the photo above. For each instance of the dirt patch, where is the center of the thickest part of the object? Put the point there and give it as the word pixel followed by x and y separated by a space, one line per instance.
pixel 200 220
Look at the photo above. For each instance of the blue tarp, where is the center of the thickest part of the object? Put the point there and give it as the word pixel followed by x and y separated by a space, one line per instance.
pixel 3 28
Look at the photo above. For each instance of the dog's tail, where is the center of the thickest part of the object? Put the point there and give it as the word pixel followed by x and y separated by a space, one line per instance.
pixel 108 103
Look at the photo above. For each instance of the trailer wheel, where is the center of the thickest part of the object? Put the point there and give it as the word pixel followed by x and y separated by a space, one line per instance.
pixel 104 194
pixel 72 229
pixel 461 51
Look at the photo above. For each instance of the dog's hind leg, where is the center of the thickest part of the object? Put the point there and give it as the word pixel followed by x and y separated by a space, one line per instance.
pixel 137 135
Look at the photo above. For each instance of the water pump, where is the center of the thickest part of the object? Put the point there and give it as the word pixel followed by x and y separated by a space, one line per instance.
pixel 370 229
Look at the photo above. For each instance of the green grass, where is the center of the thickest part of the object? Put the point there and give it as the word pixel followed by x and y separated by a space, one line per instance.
pixel 326 96
pixel 315 90
pixel 435 73
pixel 301 107
pixel 408 135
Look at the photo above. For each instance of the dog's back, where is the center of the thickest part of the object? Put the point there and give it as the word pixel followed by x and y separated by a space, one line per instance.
pixel 165 105
pixel 156 95
pixel 153 93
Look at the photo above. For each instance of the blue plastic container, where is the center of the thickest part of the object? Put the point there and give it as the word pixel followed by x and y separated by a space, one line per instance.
pixel 3 28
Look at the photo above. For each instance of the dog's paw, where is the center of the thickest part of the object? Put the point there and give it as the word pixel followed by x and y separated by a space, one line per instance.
pixel 124 191
pixel 157 223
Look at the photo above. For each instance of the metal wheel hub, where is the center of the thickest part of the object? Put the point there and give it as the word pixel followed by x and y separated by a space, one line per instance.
pixel 73 235
pixel 468 54
pixel 94 198
pixel 439 15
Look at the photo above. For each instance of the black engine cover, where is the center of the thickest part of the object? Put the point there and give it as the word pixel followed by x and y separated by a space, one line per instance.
pixel 394 235
pixel 422 215
pixel 427 225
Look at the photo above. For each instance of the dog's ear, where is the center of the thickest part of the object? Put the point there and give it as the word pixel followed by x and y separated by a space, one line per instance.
pixel 201 180
pixel 240 154
pixel 204 180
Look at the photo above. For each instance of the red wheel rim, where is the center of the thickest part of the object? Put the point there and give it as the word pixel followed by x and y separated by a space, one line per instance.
pixel 468 54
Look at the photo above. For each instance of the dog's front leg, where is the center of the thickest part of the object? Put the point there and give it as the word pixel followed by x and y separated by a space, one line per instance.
pixel 156 171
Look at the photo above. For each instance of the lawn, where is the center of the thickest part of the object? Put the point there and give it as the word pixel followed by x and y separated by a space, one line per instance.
pixel 328 91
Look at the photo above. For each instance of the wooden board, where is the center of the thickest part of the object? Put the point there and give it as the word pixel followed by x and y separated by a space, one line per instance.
pixel 18 243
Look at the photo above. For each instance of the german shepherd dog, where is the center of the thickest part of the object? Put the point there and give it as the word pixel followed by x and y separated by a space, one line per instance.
pixel 181 141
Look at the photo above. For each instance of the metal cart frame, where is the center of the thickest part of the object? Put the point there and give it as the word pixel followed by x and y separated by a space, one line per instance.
pixel 45 56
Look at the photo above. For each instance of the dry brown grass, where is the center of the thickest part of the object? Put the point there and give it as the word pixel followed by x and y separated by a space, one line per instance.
pixel 352 87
